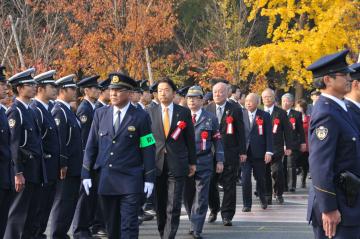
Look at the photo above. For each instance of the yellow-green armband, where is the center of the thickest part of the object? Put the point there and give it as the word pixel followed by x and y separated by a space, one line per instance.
pixel 147 140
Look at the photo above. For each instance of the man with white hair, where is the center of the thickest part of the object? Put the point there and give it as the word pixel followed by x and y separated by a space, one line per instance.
pixel 281 131
pixel 259 148
pixel 233 135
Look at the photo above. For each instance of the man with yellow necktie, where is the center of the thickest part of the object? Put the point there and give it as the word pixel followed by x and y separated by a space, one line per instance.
pixel 175 156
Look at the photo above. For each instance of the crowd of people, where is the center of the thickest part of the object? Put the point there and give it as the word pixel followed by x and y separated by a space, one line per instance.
pixel 129 152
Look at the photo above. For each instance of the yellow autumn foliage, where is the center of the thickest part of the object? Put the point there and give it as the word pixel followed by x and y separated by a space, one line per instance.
pixel 301 31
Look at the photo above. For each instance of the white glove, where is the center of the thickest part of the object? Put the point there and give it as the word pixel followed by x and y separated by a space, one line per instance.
pixel 87 185
pixel 148 188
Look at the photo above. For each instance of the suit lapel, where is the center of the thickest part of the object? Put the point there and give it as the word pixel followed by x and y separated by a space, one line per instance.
pixel 246 120
pixel 159 121
pixel 201 118
pixel 109 121
pixel 345 114
pixel 174 119
pixel 126 120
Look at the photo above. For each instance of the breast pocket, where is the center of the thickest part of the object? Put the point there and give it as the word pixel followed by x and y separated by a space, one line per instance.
pixel 349 144
pixel 104 138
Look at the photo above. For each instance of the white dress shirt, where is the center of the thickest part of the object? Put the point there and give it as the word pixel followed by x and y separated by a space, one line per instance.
pixel 270 109
pixel 198 113
pixel 25 105
pixel 252 117
pixel 122 114
pixel 46 106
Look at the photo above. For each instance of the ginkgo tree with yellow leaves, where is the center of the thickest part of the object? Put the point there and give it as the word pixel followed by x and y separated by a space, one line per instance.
pixel 301 31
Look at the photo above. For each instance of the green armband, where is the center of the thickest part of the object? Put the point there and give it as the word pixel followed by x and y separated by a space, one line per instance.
pixel 147 140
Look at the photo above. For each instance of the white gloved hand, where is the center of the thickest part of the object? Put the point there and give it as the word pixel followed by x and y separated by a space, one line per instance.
pixel 87 185
pixel 148 188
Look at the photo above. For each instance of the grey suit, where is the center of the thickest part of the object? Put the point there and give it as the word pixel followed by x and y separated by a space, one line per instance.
pixel 196 191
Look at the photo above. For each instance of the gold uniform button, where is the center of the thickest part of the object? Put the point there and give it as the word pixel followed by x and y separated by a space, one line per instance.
pixel 111 153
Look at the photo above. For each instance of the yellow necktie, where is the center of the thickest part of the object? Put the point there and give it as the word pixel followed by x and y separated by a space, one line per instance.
pixel 166 121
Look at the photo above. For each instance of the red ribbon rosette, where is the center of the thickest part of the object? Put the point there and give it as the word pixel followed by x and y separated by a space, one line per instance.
pixel 276 125
pixel 293 121
pixel 229 126
pixel 204 135
pixel 260 123
pixel 180 126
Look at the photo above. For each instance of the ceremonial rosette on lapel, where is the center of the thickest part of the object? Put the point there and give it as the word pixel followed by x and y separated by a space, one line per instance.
pixel 229 124
pixel 204 135
pixel 293 121
pixel 276 125
pixel 260 123
pixel 180 126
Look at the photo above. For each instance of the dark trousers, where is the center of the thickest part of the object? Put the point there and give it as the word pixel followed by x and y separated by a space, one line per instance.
pixel 290 165
pixel 304 165
pixel 66 197
pixel 6 196
pixel 86 209
pixel 44 204
pixel 22 212
pixel 168 195
pixel 214 198
pixel 342 232
pixel 121 215
pixel 274 177
pixel 196 197
pixel 258 168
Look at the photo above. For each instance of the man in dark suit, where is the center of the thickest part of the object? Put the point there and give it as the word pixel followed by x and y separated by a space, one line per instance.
pixel 298 141
pixel 121 148
pixel 71 155
pixel 27 155
pixel 259 145
pixel 353 98
pixel 232 132
pixel 175 156
pixel 281 130
pixel 46 91
pixel 333 208
pixel 6 170
pixel 208 148
pixel 87 204
pixel 235 95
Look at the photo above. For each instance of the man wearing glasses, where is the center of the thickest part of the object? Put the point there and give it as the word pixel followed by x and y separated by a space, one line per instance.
pixel 334 159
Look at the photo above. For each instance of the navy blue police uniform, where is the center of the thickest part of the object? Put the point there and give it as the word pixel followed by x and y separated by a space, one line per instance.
pixel 27 155
pixel 259 141
pixel 354 106
pixel 6 171
pixel 51 155
pixel 153 89
pixel 196 189
pixel 71 155
pixel 124 154
pixel 103 86
pixel 334 149
pixel 86 206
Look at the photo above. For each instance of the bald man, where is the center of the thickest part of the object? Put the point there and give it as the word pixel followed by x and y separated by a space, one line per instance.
pixel 259 149
pixel 232 132
pixel 281 132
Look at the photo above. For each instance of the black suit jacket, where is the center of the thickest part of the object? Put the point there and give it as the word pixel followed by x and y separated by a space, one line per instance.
pixel 234 144
pixel 298 134
pixel 283 133
pixel 180 152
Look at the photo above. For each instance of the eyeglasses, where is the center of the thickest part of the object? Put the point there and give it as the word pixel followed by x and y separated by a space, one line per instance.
pixel 30 85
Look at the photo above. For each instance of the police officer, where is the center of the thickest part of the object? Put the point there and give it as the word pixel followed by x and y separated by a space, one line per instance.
pixel 146 95
pixel 182 94
pixel 353 98
pixel 259 148
pixel 136 95
pixel 334 153
pixel 121 147
pixel 86 206
pixel 104 97
pixel 6 183
pixel 46 91
pixel 207 136
pixel 27 155
pixel 71 155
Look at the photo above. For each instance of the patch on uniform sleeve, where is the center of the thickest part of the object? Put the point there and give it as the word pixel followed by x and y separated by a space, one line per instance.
pixel 83 119
pixel 321 132
pixel 12 123
pixel 147 140
pixel 57 121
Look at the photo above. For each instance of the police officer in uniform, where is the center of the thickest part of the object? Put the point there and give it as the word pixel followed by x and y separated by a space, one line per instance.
pixel 46 91
pixel 86 206
pixel 104 97
pixel 334 204
pixel 146 95
pixel 353 98
pixel 27 155
pixel 6 183
pixel 207 136
pixel 71 155
pixel 121 147
pixel 154 92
